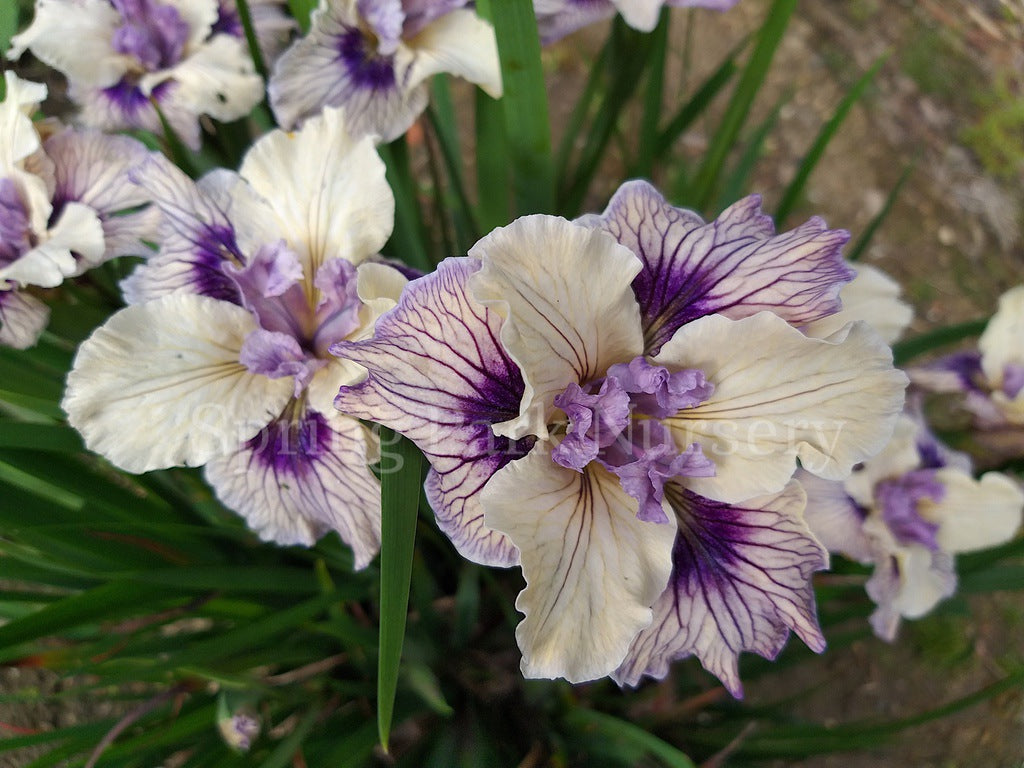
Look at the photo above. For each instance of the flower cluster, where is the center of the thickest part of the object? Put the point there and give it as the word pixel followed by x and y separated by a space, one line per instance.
pixel 60 213
pixel 666 423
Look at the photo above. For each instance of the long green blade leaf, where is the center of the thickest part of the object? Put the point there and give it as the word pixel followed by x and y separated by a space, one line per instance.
pixel 768 39
pixel 525 103
pixel 400 495
pixel 869 231
pixel 828 131
pixel 609 727
pixel 905 351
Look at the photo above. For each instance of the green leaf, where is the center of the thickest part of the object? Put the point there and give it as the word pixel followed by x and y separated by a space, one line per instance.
pixel 441 115
pixel 400 492
pixel 492 171
pixel 905 351
pixel 702 191
pixel 612 728
pixel 97 604
pixel 869 231
pixel 651 116
pixel 301 11
pixel 736 183
pixel 525 103
pixel 245 17
pixel 8 27
pixel 828 131
pixel 409 239
pixel 39 437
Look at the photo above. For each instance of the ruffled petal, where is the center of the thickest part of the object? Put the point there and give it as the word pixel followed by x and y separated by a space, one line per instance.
pixel 335 65
pixel 569 311
pixel 217 79
pixel 459 43
pixel 438 374
pixel 18 134
pixel 974 514
pixel 326 191
pixel 91 58
pixel 834 518
pixel 22 319
pixel 78 232
pixel 592 569
pixel 873 297
pixel 907 581
pixel 734 266
pixel 741 580
pixel 302 476
pixel 780 396
pixel 197 232
pixel 160 385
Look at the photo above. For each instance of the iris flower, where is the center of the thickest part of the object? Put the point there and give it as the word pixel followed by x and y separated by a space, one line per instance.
pixel 374 57
pixel 557 18
pixel 126 55
pixel 61 210
pixel 618 406
pixel 221 360
pixel 990 380
pixel 908 511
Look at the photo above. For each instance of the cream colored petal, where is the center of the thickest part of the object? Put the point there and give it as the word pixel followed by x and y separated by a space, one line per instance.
pixel 75 38
pixel 327 190
pixel 200 15
pixel 974 514
pixel 592 569
pixel 22 319
pixel 873 297
pixel 378 287
pixel 1002 343
pixel 216 80
pixel 640 14
pixel 458 43
pixel 569 311
pixel 780 396
pixel 78 230
pixel 18 137
pixel 159 384
pixel 899 456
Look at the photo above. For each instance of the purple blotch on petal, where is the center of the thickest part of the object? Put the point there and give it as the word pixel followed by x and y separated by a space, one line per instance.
pixel 154 33
pixel 15 232
pixel 898 499
pixel 365 66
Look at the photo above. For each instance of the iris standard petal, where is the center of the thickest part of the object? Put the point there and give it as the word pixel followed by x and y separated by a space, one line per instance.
pixel 160 385
pixel 1002 343
pixel 592 569
pixel 569 311
pixel 741 580
pixel 459 43
pixel 780 396
pixel 326 192
pixel 438 374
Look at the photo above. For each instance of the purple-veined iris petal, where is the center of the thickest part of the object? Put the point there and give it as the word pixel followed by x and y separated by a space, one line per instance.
pixel 735 265
pixel 90 167
pixel 656 391
pixel 741 580
pixel 834 518
pixel 302 476
pixel 419 13
pixel 899 500
pixel 337 65
pixel 385 19
pixel 439 375
pixel 22 319
pixel 196 234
